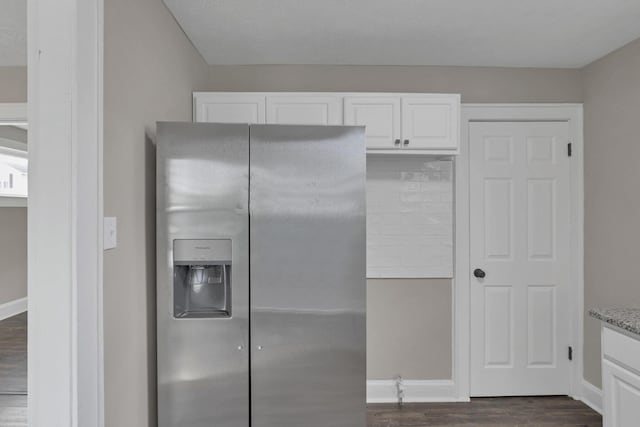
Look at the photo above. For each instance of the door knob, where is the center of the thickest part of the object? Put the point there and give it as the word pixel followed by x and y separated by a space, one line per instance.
pixel 396 142
pixel 480 274
pixel 406 142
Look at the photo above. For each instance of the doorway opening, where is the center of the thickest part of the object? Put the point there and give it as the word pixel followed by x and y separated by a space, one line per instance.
pixel 519 285
pixel 13 264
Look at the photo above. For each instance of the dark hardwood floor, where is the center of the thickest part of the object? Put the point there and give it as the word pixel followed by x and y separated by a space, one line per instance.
pixel 13 371
pixel 13 355
pixel 490 412
pixel 494 412
pixel 13 410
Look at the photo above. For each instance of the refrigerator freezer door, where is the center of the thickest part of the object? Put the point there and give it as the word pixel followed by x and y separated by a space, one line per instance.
pixel 307 209
pixel 202 193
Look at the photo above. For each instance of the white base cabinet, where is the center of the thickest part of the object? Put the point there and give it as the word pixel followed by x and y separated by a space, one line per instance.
pixel 620 379
pixel 395 123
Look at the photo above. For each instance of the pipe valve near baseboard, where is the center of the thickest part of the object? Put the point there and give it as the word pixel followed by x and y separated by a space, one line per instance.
pixel 399 389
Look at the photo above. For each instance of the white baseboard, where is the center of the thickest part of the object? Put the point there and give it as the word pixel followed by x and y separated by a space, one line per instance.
pixel 415 391
pixel 384 391
pixel 12 308
pixel 592 396
pixel 13 202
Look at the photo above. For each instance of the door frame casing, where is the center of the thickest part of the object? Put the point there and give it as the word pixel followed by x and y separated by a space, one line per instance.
pixel 573 115
pixel 65 213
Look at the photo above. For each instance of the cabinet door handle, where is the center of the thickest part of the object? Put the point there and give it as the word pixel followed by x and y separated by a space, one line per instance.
pixel 406 142
pixel 397 142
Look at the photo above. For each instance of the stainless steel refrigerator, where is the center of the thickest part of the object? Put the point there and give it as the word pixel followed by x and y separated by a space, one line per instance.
pixel 261 275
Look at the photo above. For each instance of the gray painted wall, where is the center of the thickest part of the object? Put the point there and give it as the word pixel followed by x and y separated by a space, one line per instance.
pixel 13 254
pixel 151 69
pixel 409 329
pixel 476 84
pixel 13 84
pixel 412 319
pixel 612 199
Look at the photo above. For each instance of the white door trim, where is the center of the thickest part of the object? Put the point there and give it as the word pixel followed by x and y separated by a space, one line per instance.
pixel 571 113
pixel 13 202
pixel 13 113
pixel 65 102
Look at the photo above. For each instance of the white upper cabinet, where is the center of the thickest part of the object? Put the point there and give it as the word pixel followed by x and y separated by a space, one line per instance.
pixel 229 108
pixel 381 117
pixel 292 109
pixel 431 122
pixel 400 123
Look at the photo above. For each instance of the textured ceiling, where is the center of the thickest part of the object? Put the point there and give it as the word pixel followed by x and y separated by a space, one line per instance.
pixel 518 33
pixel 13 32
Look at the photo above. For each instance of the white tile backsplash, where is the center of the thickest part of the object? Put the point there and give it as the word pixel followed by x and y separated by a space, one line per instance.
pixel 409 217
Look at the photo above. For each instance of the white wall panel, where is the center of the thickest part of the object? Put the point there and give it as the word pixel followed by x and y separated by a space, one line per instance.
pixel 541 324
pixel 498 216
pixel 541 218
pixel 498 149
pixel 409 217
pixel 498 342
pixel 541 149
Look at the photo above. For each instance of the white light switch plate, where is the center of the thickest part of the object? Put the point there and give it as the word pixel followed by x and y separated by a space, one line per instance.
pixel 110 240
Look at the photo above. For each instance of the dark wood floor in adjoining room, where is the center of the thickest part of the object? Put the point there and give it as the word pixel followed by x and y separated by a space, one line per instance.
pixel 494 412
pixel 13 355
pixel 13 371
pixel 13 410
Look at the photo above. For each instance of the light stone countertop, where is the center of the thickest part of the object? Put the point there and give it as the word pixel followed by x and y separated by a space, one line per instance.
pixel 624 318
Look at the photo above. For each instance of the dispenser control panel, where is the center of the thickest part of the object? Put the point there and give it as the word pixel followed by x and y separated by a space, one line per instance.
pixel 200 250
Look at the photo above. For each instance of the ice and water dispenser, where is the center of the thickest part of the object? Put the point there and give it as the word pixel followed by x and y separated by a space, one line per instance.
pixel 202 278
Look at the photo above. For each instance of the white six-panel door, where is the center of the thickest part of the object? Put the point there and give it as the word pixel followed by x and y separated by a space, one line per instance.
pixel 519 198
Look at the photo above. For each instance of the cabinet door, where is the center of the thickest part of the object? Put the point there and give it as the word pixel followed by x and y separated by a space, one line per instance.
pixel 381 117
pixel 229 108
pixel 431 122
pixel 304 110
pixel 621 392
